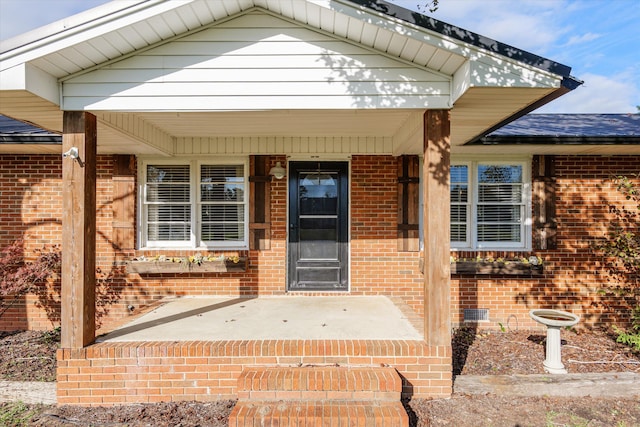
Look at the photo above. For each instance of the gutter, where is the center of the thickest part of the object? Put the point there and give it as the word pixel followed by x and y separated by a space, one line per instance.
pixel 31 139
pixel 466 36
pixel 556 140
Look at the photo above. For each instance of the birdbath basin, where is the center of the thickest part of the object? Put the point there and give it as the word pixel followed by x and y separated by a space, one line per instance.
pixel 554 320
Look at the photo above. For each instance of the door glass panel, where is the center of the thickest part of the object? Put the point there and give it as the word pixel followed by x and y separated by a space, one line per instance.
pixel 318 238
pixel 318 194
pixel 318 215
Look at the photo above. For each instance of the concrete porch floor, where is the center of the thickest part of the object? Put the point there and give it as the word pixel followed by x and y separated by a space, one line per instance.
pixel 286 318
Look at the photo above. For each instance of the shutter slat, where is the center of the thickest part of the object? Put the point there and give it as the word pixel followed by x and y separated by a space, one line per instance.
pixel 260 206
pixel 408 204
pixel 124 202
pixel 544 203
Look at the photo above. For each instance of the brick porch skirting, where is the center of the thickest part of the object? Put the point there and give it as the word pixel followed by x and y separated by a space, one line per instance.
pixel 158 371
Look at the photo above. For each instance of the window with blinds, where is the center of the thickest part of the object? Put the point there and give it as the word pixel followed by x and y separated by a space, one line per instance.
pixel 222 201
pixel 460 203
pixel 168 203
pixel 194 205
pixel 496 196
pixel 500 208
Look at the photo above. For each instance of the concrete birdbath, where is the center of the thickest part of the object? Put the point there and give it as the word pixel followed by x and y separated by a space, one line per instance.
pixel 554 320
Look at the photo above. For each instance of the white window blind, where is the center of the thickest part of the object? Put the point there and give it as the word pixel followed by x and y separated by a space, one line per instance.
pixel 168 203
pixel 500 209
pixel 222 200
pixel 490 205
pixel 195 204
pixel 460 203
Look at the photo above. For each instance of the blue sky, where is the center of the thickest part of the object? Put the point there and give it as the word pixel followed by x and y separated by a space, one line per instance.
pixel 599 39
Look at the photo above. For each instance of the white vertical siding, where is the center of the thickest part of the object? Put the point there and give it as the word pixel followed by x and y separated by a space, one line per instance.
pixel 283 144
pixel 257 61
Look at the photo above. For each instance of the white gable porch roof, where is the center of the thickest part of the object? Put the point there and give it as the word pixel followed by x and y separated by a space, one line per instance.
pixel 162 74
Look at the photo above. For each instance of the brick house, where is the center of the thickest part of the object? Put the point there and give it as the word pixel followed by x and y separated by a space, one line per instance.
pixel 317 149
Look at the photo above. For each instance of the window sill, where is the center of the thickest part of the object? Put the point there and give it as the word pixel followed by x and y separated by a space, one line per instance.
pixel 186 267
pixel 497 268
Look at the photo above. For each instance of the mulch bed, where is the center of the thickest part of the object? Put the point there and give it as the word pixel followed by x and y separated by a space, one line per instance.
pixel 28 356
pixel 522 352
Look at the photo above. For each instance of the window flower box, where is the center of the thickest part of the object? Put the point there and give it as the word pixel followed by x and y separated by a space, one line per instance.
pixel 523 267
pixel 185 265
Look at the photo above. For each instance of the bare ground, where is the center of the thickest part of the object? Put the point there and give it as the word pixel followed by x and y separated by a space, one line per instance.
pixel 29 356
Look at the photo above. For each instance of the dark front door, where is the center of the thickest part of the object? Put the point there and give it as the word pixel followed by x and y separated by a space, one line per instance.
pixel 318 226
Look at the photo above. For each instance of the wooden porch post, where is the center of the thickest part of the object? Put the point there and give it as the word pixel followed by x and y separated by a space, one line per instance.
pixel 437 303
pixel 78 230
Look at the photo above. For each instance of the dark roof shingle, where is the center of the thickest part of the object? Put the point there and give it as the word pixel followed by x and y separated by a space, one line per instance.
pixel 567 129
pixel 16 132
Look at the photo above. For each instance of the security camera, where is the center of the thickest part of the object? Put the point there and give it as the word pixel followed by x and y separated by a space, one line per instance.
pixel 72 153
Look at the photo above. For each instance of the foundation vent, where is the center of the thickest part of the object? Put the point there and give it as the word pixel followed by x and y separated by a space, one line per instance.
pixel 476 314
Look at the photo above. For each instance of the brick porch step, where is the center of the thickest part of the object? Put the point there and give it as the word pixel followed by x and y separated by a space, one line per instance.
pixel 328 382
pixel 314 413
pixel 319 396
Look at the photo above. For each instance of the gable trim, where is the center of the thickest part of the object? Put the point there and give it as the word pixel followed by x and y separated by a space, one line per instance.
pixel 479 41
pixel 257 10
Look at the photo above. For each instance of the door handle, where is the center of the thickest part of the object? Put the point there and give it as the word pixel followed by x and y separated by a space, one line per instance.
pixel 292 226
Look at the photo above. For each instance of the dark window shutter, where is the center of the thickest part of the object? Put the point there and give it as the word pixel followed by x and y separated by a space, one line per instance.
pixel 408 203
pixel 123 204
pixel 260 203
pixel 544 203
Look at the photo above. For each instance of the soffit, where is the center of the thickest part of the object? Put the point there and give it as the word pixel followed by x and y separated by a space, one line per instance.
pixel 90 45
pixel 481 108
pixel 280 123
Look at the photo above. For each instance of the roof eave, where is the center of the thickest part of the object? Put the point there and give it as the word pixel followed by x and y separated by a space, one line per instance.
pixel 466 36
pixel 568 84
pixel 505 140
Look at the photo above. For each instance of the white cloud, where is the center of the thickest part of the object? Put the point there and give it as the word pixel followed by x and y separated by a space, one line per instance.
pixel 532 25
pixel 599 94
pixel 584 38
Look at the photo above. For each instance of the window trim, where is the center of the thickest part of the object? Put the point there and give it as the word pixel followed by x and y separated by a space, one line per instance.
pixel 194 243
pixel 525 243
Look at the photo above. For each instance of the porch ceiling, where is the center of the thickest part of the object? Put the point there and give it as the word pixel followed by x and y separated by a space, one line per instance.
pixel 281 123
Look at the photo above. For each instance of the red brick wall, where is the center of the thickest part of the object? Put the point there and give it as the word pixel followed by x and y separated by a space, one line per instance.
pixel 30 200
pixel 377 268
pixel 573 274
pixel 30 208
pixel 133 372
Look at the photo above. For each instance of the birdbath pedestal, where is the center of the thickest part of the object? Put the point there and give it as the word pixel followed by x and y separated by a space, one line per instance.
pixel 554 320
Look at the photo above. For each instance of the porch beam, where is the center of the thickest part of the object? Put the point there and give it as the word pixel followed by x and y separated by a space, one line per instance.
pixel 78 230
pixel 437 298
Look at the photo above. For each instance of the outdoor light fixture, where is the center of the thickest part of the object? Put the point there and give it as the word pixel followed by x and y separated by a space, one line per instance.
pixel 278 171
pixel 72 153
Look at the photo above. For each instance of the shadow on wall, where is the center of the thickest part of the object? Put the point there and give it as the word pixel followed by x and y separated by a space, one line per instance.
pixel 594 215
pixel 31 212
pixel 40 276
